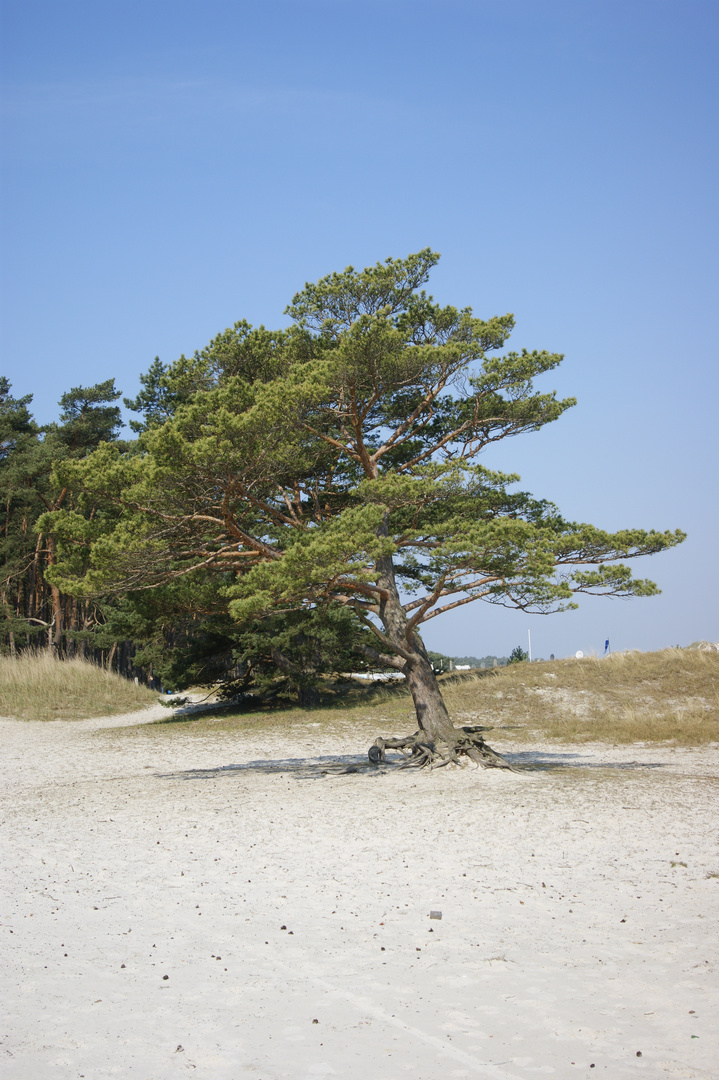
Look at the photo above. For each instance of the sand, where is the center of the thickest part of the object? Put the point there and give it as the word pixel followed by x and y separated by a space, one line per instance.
pixel 229 905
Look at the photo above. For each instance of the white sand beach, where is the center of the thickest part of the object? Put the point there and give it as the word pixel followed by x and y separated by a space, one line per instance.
pixel 231 906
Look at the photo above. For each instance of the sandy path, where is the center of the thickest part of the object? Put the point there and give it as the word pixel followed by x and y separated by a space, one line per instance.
pixel 185 904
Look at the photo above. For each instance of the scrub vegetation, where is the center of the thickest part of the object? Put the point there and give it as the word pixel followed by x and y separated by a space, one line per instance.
pixel 668 696
pixel 671 696
pixel 38 686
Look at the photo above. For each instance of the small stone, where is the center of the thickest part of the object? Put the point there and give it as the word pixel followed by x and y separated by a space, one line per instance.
pixel 166 976
pixel 639 1053
pixel 315 1021
pixel 180 1048
pixel 435 914
pixel 283 928
pixel 122 965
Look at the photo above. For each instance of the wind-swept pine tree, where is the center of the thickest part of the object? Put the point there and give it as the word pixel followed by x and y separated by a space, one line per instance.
pixel 345 473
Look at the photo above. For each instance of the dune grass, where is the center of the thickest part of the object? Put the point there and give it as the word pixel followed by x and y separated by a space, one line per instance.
pixel 670 697
pixel 37 686
pixel 667 696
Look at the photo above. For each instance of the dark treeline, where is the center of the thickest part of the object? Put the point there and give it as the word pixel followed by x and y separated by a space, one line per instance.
pixel 443 663
pixel 172 637
pixel 34 612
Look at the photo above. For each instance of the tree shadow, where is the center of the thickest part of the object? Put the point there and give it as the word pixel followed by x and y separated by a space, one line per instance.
pixel 546 761
pixel 317 768
pixel 183 714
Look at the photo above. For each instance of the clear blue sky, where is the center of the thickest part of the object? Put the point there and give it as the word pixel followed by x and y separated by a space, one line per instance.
pixel 171 167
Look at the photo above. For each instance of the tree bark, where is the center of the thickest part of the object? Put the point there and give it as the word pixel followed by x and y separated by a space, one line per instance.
pixel 54 636
pixel 308 696
pixel 438 742
pixel 432 715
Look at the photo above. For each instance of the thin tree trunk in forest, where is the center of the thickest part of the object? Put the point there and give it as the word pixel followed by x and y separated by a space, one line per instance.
pixel 10 635
pixel 308 696
pixel 55 636
pixel 35 582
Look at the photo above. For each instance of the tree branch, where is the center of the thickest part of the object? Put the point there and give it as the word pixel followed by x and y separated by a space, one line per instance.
pixel 383 659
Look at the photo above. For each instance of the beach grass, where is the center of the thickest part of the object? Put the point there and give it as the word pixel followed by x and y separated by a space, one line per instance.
pixel 671 696
pixel 658 697
pixel 38 686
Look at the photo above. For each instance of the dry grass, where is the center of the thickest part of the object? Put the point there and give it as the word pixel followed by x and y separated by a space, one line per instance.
pixel 36 686
pixel 668 696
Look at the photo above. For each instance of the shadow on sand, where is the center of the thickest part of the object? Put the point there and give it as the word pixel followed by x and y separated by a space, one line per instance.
pixel 544 761
pixel 311 768
pixel 317 768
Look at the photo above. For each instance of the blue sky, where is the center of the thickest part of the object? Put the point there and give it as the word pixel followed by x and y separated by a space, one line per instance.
pixel 171 167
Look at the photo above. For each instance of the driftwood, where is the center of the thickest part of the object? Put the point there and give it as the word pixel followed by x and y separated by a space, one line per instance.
pixel 419 750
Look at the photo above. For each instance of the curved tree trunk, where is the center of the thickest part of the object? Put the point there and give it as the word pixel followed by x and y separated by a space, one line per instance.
pixel 438 741
pixel 432 715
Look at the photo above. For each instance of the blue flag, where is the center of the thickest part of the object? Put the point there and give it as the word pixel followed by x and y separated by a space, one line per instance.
pixel 606 646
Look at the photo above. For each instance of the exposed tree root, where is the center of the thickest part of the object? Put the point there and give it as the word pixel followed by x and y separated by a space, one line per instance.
pixel 419 750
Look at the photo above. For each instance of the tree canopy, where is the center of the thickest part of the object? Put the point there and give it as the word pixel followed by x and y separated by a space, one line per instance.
pixel 335 464
pixel 28 452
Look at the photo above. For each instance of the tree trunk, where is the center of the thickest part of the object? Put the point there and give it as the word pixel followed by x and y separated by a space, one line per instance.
pixel 308 696
pixel 438 742
pixel 432 715
pixel 54 634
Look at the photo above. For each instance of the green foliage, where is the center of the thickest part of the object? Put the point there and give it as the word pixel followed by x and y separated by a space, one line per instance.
pixel 87 417
pixel 27 456
pixel 252 355
pixel 518 655
pixel 290 654
pixel 15 420
pixel 323 466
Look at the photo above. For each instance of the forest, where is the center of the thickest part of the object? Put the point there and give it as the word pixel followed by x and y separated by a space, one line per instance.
pixel 170 638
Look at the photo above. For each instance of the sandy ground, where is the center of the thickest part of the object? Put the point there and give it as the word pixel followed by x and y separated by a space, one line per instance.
pixel 229 905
